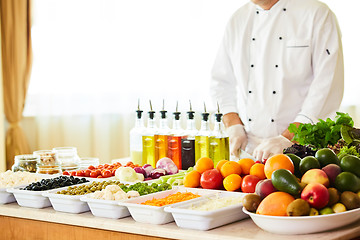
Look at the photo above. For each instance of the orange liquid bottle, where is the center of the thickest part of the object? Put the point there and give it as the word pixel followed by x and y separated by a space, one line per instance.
pixel 161 137
pixel 174 140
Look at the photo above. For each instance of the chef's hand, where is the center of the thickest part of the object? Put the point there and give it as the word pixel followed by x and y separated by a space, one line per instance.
pixel 271 146
pixel 237 138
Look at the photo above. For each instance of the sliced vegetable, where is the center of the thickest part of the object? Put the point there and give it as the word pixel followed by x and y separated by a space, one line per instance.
pixel 168 165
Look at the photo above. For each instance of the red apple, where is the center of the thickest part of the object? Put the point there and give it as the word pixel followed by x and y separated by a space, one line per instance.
pixel 264 188
pixel 316 195
pixel 211 179
pixel 315 176
pixel 332 170
pixel 248 183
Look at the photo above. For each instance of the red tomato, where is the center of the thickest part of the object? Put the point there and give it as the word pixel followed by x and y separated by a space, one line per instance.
pixel 98 171
pixel 106 174
pixel 100 167
pixel 106 165
pixel 73 173
pixel 94 174
pixel 91 167
pixel 80 173
pixel 87 173
pixel 113 172
pixel 66 173
pixel 249 183
pixel 211 179
pixel 99 176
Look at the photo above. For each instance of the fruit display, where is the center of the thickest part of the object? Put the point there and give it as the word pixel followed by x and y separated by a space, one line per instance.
pixel 324 185
pixel 52 183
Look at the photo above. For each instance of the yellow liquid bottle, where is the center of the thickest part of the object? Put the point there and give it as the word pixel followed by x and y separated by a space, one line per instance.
pixel 219 142
pixel 202 143
pixel 149 150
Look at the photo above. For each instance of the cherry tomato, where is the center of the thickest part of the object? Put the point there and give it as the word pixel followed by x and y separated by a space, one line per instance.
pixel 66 173
pixel 80 173
pixel 98 172
pixel 99 176
pixel 100 166
pixel 91 167
pixel 93 174
pixel 106 165
pixel 249 183
pixel 113 172
pixel 87 173
pixel 73 173
pixel 106 174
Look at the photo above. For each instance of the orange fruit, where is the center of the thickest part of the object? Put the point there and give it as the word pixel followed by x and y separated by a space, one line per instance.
pixel 220 163
pixel 230 167
pixel 232 182
pixel 258 170
pixel 192 179
pixel 275 204
pixel 204 164
pixel 278 161
pixel 246 164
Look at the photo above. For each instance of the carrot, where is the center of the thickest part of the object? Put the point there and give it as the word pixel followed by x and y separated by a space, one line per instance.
pixel 173 198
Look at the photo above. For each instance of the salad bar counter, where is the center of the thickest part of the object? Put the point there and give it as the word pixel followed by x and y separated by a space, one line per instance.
pixel 30 223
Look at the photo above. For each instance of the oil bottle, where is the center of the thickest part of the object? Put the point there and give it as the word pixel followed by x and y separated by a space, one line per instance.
pixel 188 142
pixel 174 140
pixel 161 137
pixel 202 144
pixel 219 141
pixel 148 140
pixel 136 133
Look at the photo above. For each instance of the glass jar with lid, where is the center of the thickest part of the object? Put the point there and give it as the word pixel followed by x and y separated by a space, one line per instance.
pixel 25 163
pixel 68 158
pixel 48 162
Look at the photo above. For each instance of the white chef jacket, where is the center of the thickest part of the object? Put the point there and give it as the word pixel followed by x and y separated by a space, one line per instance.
pixel 279 66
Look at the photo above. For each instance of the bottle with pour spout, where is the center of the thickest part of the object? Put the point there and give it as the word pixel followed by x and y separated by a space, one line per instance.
pixel 136 133
pixel 161 137
pixel 202 145
pixel 188 142
pixel 174 139
pixel 219 141
pixel 148 140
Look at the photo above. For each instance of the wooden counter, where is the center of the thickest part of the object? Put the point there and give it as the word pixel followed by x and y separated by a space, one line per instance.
pixel 28 223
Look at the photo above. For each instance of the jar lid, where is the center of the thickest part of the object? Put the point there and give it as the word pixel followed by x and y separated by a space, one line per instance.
pixel 27 157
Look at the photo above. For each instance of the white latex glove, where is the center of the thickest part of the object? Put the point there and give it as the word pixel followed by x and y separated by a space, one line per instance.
pixel 271 146
pixel 237 139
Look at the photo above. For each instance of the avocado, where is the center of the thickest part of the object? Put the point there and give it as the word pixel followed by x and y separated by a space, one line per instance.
pixel 350 163
pixel 296 161
pixel 326 156
pixel 347 181
pixel 283 180
pixel 307 163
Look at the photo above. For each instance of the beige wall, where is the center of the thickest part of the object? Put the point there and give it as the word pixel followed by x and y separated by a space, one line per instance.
pixel 2 122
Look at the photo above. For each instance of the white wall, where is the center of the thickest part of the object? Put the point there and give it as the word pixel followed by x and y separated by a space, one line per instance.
pixel 2 116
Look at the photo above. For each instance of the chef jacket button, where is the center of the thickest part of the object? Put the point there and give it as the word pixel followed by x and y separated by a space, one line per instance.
pixel 280 38
pixel 276 65
pixel 253 39
pixel 284 9
pixel 257 12
pixel 252 65
pixel 272 120
pixel 274 92
pixel 250 91
pixel 249 119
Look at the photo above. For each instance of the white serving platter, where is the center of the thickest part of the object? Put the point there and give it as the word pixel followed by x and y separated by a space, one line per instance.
pixel 153 214
pixel 106 208
pixel 185 217
pixel 304 224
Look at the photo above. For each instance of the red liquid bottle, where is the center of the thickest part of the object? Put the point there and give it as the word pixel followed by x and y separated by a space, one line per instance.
pixel 174 140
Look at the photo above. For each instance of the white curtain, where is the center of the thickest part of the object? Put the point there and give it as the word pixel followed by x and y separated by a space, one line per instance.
pixel 94 59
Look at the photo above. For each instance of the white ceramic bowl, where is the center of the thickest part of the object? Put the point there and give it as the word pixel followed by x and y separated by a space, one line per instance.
pixel 106 208
pixel 185 217
pixel 305 224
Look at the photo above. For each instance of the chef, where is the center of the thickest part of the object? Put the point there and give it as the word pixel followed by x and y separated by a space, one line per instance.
pixel 280 62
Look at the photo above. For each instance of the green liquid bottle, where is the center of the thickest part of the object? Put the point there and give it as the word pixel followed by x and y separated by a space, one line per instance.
pixel 219 141
pixel 202 144
pixel 148 140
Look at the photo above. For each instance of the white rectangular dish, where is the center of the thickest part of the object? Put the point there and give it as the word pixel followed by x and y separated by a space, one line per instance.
pixel 152 214
pixel 185 217
pixel 33 199
pixel 66 203
pixel 8 197
pixel 106 208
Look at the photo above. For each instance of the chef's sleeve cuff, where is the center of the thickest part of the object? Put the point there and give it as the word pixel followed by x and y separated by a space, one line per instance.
pixel 302 118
